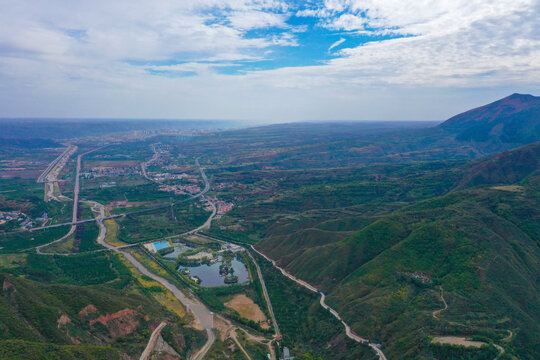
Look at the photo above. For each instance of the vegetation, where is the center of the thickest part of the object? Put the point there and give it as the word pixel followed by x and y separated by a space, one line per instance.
pixel 305 325
pixel 407 238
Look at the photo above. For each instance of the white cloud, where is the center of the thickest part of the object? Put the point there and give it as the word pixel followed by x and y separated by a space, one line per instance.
pixel 47 70
pixel 247 20
pixel 337 43
pixel 346 22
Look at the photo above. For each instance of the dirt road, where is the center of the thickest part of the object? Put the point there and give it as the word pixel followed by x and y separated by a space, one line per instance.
pixel 348 330
pixel 152 342
pixel 436 313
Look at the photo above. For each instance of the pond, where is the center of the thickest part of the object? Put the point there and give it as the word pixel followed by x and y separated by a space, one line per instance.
pixel 158 245
pixel 179 248
pixel 209 274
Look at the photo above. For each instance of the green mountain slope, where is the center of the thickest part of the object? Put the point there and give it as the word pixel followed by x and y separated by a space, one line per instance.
pixel 86 306
pixel 505 168
pixel 480 243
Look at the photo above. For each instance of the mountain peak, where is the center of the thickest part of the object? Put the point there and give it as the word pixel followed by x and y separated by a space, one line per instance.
pixel 513 119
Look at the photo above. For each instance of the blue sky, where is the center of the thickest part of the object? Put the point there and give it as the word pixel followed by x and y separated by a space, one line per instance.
pixel 264 60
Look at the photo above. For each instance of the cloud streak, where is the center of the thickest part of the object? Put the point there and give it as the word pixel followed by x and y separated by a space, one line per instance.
pixel 337 43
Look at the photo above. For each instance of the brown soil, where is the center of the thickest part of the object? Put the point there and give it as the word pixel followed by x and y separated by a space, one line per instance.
pixel 455 340
pixel 247 309
pixel 7 285
pixel 121 323
pixel 89 309
pixel 63 320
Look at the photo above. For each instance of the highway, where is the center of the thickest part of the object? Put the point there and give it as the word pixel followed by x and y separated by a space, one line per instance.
pixel 205 179
pixel 43 177
pixel 64 157
pixel 203 316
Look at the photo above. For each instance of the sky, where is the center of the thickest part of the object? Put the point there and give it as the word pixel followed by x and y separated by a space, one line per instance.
pixel 265 60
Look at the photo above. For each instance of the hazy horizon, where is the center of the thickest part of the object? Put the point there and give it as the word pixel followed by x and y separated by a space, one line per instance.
pixel 259 60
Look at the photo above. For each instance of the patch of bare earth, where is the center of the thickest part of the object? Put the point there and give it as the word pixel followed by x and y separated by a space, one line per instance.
pixel 89 309
pixel 63 320
pixel 120 323
pixel 248 309
pixel 456 340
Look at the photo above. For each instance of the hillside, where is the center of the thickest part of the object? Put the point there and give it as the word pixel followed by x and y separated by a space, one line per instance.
pixel 505 168
pixel 513 119
pixel 86 306
pixel 479 242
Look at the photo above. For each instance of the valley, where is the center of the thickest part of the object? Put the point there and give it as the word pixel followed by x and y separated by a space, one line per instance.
pixel 348 241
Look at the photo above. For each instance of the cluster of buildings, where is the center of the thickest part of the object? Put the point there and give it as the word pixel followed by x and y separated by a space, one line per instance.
pixel 223 207
pixel 101 171
pixel 168 176
pixel 231 247
pixel 109 184
pixel 174 167
pixel 181 189
pixel 419 276
pixel 25 221
pixel 222 185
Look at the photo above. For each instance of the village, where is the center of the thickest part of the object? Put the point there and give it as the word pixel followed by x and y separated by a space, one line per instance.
pixel 25 221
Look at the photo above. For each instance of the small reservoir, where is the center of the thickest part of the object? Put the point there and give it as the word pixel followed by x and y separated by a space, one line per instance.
pixel 209 273
pixel 158 245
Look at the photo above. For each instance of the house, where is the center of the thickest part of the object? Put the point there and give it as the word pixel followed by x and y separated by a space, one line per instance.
pixel 287 354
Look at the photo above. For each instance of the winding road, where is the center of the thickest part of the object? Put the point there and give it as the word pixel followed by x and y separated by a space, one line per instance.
pixel 348 330
pixel 201 313
pixel 436 313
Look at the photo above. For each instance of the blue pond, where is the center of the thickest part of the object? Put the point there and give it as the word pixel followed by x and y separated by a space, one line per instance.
pixel 209 274
pixel 161 245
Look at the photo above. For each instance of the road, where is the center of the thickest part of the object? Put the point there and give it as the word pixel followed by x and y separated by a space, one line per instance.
pixel 205 179
pixel 43 177
pixel 201 313
pixel 152 342
pixel 436 313
pixel 208 221
pixel 76 189
pixel 348 330
pixel 40 247
pixel 266 296
pixel 50 175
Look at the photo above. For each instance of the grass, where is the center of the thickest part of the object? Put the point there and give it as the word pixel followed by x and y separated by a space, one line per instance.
pixel 305 325
pixel 112 233
pixel 162 296
pixel 23 240
pixel 9 261
pixel 62 247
